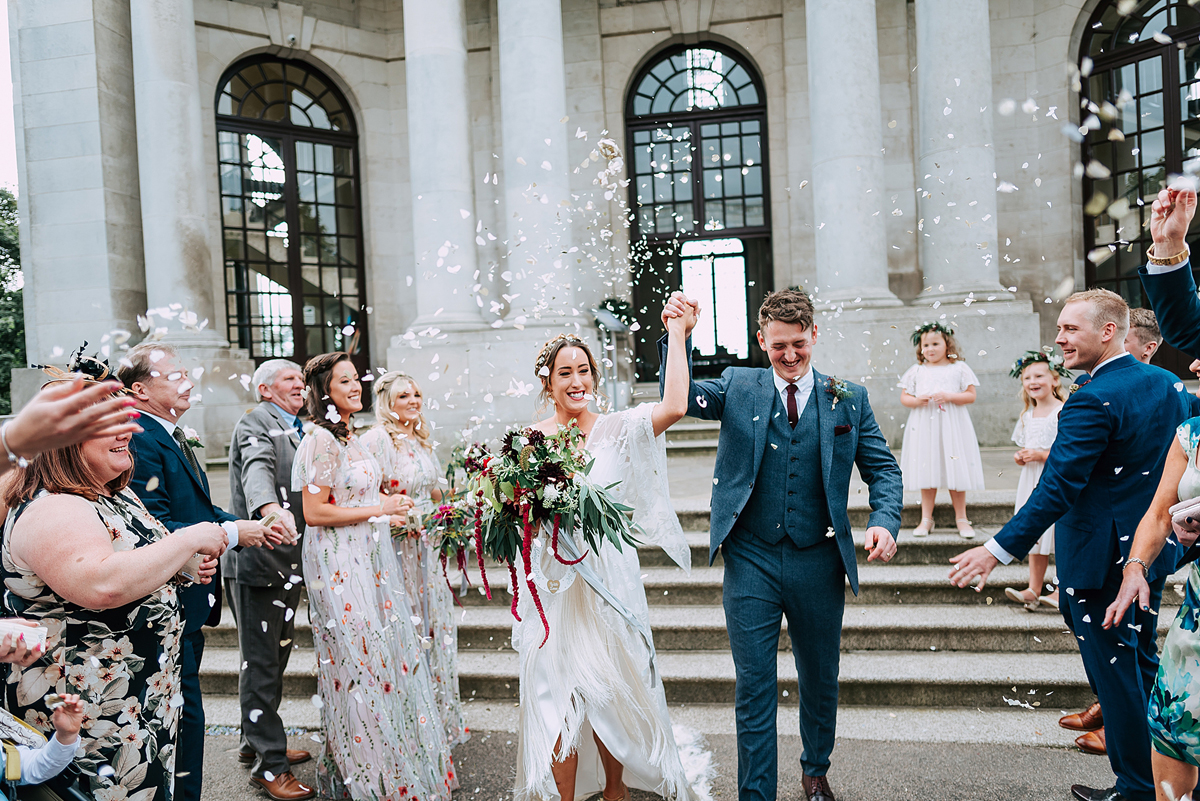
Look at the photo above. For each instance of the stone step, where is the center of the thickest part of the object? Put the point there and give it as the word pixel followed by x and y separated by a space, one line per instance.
pixel 984 508
pixel 220 668
pixel 691 447
pixel 883 678
pixel 878 585
pixel 999 629
pixel 691 428
pixel 225 634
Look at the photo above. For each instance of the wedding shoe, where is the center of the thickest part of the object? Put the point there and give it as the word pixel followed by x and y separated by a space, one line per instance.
pixel 1022 597
pixel 923 529
pixel 1049 600
pixel 964 528
pixel 628 795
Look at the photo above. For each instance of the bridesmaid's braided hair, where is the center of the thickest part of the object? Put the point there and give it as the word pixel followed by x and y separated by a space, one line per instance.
pixel 318 374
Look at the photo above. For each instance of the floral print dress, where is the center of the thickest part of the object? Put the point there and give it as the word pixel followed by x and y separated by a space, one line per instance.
pixel 1175 700
pixel 410 468
pixel 383 733
pixel 123 663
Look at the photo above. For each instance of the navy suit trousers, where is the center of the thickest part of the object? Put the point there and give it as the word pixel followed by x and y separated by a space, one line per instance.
pixel 763 583
pixel 1121 664
pixel 189 749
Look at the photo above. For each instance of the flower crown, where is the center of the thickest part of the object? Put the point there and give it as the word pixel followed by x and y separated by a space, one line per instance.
pixel 91 369
pixel 1055 363
pixel 540 364
pixel 921 330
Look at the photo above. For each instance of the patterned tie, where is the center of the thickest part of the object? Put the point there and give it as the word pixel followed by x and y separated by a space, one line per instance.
pixel 299 424
pixel 187 450
pixel 793 415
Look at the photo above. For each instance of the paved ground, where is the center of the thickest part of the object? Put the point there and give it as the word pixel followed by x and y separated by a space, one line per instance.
pixel 863 770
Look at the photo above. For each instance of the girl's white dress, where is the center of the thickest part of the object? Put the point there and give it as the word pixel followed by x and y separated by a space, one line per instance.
pixel 1038 433
pixel 940 449
pixel 593 674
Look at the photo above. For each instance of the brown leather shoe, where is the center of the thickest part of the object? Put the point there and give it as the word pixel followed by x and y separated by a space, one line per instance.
pixel 816 788
pixel 1092 742
pixel 294 756
pixel 284 787
pixel 1089 719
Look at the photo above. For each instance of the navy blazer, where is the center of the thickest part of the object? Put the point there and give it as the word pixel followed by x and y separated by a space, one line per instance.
pixel 1114 432
pixel 180 499
pixel 1173 296
pixel 849 436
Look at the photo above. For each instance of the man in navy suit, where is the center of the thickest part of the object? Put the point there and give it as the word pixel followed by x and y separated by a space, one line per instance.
pixel 170 481
pixel 1113 436
pixel 790 438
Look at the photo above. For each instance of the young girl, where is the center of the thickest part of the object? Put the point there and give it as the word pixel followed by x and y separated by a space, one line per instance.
pixel 1043 395
pixel 939 448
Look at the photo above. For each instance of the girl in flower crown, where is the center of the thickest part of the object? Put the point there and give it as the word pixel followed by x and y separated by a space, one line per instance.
pixel 1043 395
pixel 940 449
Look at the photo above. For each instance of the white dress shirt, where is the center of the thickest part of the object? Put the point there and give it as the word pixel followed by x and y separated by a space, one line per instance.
pixel 804 388
pixel 994 547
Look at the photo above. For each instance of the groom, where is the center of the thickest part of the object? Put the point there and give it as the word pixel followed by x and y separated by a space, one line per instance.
pixel 789 438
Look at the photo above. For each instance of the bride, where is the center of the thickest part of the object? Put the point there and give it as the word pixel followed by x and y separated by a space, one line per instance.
pixel 593 712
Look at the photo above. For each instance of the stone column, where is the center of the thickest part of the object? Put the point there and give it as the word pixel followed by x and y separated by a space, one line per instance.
pixel 847 153
pixel 440 164
pixel 170 140
pixel 537 195
pixel 957 201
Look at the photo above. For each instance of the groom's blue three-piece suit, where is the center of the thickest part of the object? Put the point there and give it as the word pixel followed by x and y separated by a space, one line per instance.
pixel 779 519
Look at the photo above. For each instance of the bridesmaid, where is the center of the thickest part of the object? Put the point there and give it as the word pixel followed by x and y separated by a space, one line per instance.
pixel 400 442
pixel 383 732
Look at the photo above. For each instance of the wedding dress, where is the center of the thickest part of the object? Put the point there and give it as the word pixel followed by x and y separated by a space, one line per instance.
pixel 594 672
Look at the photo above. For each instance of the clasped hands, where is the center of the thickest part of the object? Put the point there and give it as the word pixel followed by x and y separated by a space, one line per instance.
pixel 680 310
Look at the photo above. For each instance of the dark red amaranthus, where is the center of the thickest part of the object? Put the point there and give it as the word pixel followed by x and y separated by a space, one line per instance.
pixel 554 545
pixel 479 543
pixel 512 572
pixel 526 546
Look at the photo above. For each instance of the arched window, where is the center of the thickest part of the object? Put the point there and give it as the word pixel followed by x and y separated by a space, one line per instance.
pixel 1141 86
pixel 696 130
pixel 294 277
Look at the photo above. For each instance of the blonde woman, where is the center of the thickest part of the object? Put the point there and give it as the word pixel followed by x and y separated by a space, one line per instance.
pixel 400 442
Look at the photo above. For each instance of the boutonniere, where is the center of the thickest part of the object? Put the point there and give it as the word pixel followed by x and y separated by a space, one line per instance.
pixel 1076 387
pixel 838 388
pixel 191 437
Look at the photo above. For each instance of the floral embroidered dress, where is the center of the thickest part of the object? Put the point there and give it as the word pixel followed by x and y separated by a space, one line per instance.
pixel 593 673
pixel 123 663
pixel 940 449
pixel 414 470
pixel 1175 700
pixel 383 733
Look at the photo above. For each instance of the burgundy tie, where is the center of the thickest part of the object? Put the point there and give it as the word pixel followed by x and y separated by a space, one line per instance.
pixel 793 415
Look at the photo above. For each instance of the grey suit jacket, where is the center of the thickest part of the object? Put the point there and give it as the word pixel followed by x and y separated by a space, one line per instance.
pixel 260 472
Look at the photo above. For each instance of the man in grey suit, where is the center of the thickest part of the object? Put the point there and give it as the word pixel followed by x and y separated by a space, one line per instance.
pixel 263 587
pixel 790 438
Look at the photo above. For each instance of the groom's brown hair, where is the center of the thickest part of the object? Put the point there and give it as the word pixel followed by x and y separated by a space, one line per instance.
pixel 786 306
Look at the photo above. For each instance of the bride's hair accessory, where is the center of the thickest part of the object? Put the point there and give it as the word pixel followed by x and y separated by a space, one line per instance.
pixel 1054 362
pixel 921 330
pixel 551 349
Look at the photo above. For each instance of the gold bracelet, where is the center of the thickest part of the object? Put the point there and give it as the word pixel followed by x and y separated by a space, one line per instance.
pixel 1169 261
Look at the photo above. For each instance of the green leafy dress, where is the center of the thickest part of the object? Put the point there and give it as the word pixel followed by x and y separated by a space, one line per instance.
pixel 122 662
pixel 1175 700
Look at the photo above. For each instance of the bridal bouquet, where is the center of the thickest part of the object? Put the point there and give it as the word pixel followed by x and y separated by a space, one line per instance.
pixel 452 533
pixel 539 480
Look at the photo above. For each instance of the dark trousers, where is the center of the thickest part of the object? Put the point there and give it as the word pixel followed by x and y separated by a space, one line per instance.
pixel 1121 664
pixel 265 654
pixel 189 751
pixel 763 583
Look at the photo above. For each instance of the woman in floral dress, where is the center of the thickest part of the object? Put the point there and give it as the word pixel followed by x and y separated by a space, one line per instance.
pixel 90 564
pixel 383 733
pixel 400 442
pixel 1175 700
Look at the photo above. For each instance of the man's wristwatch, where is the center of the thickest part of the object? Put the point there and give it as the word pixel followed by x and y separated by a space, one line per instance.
pixel 1134 560
pixel 1168 261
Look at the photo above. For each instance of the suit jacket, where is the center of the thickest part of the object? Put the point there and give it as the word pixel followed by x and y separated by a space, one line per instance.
pixel 749 393
pixel 261 453
pixel 179 499
pixel 1173 296
pixel 1102 472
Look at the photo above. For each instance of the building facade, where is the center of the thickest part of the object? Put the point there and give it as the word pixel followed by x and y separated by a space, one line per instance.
pixel 432 186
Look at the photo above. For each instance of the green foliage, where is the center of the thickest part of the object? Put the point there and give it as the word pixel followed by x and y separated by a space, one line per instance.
pixel 12 311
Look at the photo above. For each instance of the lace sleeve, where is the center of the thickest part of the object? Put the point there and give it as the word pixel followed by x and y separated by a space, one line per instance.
pixel 1187 434
pixel 1018 435
pixel 650 491
pixel 378 443
pixel 908 381
pixel 316 461
pixel 966 376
